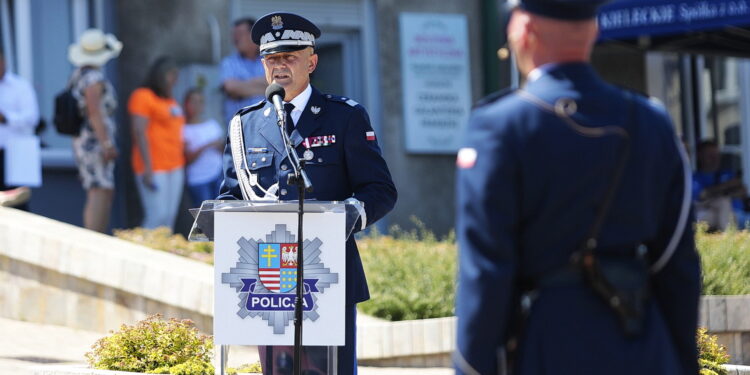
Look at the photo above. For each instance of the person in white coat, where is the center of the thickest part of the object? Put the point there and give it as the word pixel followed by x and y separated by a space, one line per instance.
pixel 19 115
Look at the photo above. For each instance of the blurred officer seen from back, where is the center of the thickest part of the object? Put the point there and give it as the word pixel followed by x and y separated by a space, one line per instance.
pixel 575 249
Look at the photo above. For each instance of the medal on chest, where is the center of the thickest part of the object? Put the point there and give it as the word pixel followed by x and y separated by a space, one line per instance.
pixel 308 155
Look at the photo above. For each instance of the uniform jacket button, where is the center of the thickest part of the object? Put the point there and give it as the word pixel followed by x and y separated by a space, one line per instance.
pixel 283 191
pixel 320 160
pixel 283 167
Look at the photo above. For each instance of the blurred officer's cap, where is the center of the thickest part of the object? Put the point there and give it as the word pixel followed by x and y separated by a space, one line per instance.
pixel 567 10
pixel 570 10
pixel 283 32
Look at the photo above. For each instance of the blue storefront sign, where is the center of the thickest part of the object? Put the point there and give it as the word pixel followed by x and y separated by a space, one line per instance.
pixel 627 19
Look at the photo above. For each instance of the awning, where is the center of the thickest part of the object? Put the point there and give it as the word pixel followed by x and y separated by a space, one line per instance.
pixel 691 26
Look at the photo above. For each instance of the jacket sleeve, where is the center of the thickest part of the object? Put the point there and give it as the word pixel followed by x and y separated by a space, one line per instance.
pixel 677 281
pixel 488 192
pixel 230 187
pixel 367 171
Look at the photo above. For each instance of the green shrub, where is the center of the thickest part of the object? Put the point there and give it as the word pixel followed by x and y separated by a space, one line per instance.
pixel 246 368
pixel 162 239
pixel 411 274
pixel 155 346
pixel 711 355
pixel 725 259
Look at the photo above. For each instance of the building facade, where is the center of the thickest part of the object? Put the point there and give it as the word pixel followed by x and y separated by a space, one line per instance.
pixel 416 65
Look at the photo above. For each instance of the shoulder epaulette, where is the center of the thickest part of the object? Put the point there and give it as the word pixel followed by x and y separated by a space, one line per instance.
pixel 342 99
pixel 251 107
pixel 652 100
pixel 634 91
pixel 491 98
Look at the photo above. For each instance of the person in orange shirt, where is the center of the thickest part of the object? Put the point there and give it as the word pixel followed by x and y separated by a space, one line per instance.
pixel 158 150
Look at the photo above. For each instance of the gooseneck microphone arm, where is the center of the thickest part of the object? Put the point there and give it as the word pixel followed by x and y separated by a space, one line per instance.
pixel 275 94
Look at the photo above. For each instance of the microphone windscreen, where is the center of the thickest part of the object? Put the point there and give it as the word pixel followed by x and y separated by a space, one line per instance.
pixel 275 89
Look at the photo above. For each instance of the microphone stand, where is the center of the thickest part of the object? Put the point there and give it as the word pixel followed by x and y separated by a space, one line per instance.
pixel 299 178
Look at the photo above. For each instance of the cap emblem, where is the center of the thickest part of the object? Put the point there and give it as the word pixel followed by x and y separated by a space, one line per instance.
pixel 276 23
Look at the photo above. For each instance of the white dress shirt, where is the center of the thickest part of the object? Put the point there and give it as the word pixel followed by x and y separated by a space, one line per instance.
pixel 300 102
pixel 19 106
pixel 539 71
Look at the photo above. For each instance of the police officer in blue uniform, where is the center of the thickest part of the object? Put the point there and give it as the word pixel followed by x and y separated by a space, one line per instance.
pixel 573 198
pixel 332 133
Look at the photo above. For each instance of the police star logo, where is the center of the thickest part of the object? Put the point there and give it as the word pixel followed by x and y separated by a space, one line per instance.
pixel 265 278
pixel 276 23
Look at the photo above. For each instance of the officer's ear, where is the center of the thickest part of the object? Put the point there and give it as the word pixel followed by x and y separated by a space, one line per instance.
pixel 528 32
pixel 312 62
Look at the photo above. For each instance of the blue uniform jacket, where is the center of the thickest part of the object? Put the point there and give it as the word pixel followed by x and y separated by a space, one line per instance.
pixel 352 166
pixel 526 204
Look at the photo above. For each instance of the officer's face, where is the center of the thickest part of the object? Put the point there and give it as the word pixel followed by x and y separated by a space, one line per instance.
pixel 291 70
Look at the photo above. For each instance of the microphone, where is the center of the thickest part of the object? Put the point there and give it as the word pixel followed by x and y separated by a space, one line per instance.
pixel 275 94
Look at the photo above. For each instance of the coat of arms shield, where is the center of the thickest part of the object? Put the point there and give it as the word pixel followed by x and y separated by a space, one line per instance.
pixel 277 266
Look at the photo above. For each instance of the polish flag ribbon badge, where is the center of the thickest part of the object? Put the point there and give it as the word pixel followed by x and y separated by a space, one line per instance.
pixel 370 135
pixel 466 158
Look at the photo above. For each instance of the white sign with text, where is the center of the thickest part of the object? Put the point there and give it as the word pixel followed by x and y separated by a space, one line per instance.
pixel 435 74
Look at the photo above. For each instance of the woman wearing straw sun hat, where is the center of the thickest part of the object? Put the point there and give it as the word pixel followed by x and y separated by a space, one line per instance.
pixel 94 147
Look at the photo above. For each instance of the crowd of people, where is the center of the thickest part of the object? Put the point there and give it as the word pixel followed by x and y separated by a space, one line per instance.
pixel 175 147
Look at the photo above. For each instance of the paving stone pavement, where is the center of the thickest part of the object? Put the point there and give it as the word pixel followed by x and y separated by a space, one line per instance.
pixel 25 345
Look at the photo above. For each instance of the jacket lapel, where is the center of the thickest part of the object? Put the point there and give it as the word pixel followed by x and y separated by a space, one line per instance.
pixel 270 129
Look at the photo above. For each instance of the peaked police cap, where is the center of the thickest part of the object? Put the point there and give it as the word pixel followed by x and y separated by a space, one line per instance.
pixel 571 10
pixel 283 32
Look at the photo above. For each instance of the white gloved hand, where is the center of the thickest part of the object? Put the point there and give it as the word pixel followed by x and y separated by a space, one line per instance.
pixel 360 208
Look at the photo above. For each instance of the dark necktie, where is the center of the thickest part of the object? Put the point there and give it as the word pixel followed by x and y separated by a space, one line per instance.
pixel 288 107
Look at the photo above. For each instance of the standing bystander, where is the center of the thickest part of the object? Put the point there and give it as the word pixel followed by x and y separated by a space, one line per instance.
pixel 204 144
pixel 94 147
pixel 718 193
pixel 158 151
pixel 19 114
pixel 242 76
